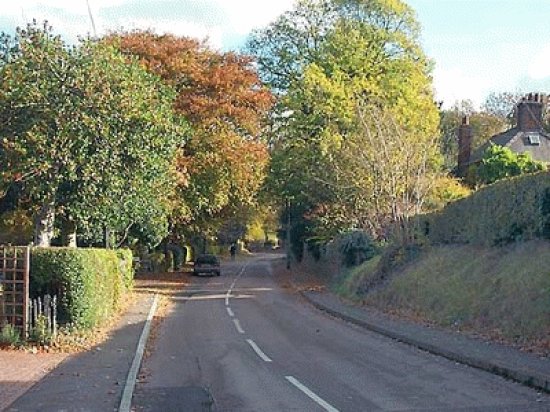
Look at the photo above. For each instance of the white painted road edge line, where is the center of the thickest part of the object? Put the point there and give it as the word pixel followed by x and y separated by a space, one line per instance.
pixel 230 312
pixel 238 326
pixel 258 351
pixel 323 404
pixel 126 401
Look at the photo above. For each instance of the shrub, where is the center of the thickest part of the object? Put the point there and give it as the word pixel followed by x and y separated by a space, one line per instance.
pixel 40 332
pixel 315 247
pixel 500 162
pixel 446 190
pixel 356 247
pixel 89 283
pixel 9 335
pixel 162 262
pixel 506 211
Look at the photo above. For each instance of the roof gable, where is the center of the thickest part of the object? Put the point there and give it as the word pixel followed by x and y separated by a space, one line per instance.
pixel 519 142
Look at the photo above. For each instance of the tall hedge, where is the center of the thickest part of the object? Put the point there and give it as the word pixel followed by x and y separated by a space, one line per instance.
pixel 89 283
pixel 506 211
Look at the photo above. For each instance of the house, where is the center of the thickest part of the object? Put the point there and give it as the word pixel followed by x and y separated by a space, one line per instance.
pixel 528 136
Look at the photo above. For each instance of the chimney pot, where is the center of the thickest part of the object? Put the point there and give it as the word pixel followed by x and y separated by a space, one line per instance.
pixel 529 113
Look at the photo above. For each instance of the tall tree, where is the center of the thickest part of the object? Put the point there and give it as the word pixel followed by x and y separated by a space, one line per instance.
pixel 336 56
pixel 89 137
pixel 223 165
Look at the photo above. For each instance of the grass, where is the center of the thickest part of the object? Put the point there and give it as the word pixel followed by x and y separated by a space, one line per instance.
pixel 501 292
pixel 348 284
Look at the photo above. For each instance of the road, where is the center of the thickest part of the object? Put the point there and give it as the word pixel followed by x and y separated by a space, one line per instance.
pixel 241 342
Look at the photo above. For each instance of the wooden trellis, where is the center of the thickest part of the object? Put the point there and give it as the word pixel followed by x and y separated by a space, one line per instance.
pixel 14 286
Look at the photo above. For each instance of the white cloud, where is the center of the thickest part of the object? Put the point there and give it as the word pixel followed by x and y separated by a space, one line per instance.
pixel 214 34
pixel 76 7
pixel 539 66
pixel 245 15
pixel 236 18
pixel 454 84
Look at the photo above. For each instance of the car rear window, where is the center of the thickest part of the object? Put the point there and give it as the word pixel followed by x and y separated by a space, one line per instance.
pixel 208 259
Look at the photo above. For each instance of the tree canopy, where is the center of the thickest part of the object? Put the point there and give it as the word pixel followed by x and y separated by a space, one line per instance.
pixel 354 86
pixel 222 166
pixel 89 136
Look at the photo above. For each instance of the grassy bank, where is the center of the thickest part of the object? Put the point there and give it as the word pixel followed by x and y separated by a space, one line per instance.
pixel 500 292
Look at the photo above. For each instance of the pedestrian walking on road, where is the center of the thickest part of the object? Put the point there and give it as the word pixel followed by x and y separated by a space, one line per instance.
pixel 233 251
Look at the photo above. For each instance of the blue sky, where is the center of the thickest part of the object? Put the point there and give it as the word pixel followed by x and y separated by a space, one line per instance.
pixel 477 46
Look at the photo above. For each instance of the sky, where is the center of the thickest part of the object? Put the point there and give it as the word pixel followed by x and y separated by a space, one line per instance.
pixel 477 46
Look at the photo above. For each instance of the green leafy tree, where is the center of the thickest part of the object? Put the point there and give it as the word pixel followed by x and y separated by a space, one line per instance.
pixel 329 60
pixel 500 162
pixel 90 138
pixel 223 163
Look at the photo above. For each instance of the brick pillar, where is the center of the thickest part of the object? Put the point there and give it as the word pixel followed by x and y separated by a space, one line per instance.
pixel 464 145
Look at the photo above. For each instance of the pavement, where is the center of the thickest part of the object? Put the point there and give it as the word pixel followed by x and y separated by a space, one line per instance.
pixel 90 381
pixel 19 371
pixel 526 368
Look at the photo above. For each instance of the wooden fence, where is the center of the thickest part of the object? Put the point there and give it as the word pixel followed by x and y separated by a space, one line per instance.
pixel 14 286
pixel 43 315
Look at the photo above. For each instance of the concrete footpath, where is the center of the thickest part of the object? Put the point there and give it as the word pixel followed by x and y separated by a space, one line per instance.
pixel 523 367
pixel 94 380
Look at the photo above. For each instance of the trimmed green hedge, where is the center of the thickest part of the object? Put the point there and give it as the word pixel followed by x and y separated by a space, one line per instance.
pixel 89 283
pixel 516 209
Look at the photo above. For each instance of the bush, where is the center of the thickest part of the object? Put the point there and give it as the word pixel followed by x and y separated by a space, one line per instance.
pixel 356 247
pixel 89 283
pixel 158 261
pixel 40 332
pixel 446 190
pixel 9 335
pixel 500 162
pixel 507 211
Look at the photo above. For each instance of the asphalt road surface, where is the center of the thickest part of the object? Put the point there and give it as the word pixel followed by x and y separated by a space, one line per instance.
pixel 241 342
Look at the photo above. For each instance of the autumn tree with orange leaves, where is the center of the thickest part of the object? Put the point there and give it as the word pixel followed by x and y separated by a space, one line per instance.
pixel 223 164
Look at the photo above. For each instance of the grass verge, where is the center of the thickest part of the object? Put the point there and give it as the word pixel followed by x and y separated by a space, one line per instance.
pixel 499 293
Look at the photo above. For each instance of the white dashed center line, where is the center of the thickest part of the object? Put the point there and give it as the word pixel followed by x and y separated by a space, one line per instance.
pixel 238 326
pixel 323 404
pixel 258 351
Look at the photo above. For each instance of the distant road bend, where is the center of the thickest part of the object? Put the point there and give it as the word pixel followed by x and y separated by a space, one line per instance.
pixel 241 342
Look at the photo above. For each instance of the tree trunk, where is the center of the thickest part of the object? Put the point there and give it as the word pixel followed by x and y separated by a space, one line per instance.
pixel 44 225
pixel 68 233
pixel 108 238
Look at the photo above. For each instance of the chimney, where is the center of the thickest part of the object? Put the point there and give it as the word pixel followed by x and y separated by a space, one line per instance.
pixel 464 145
pixel 529 112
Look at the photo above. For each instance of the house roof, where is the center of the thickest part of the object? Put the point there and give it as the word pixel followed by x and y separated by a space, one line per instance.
pixel 519 142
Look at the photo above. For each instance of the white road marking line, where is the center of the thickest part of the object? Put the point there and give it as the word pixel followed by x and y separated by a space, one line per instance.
pixel 126 401
pixel 258 351
pixel 325 405
pixel 230 312
pixel 230 290
pixel 238 326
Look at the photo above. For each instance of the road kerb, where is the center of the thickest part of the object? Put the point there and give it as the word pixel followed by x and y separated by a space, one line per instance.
pixel 534 380
pixel 126 401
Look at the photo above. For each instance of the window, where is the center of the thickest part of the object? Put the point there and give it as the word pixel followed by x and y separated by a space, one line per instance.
pixel 534 139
